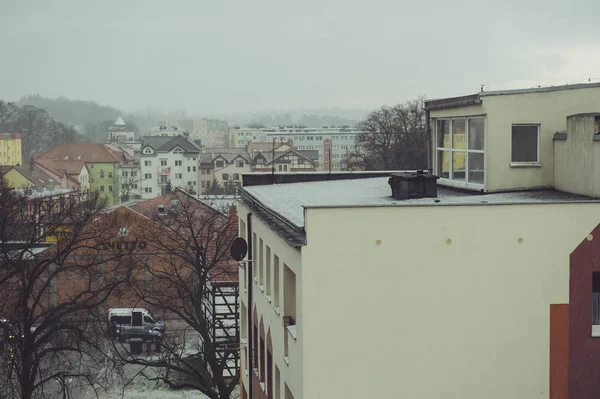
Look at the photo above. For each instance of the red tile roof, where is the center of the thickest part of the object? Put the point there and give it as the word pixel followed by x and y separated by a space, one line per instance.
pixel 88 152
pixel 60 167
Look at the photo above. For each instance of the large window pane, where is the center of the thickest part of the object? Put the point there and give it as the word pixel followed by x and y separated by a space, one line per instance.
pixel 443 131
pixel 476 167
pixel 458 165
pixel 525 143
pixel 458 134
pixel 476 134
pixel 443 163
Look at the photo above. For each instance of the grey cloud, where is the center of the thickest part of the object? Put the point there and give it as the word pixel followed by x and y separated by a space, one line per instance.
pixel 214 57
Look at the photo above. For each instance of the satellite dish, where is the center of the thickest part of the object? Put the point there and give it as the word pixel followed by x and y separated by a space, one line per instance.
pixel 238 249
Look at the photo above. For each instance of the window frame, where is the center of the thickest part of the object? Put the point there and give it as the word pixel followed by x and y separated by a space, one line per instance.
pixel 535 163
pixel 451 151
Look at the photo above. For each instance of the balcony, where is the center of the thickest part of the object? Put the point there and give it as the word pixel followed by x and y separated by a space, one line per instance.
pixel 163 170
pixel 163 180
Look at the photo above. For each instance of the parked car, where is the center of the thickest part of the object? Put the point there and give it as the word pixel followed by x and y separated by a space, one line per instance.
pixel 127 323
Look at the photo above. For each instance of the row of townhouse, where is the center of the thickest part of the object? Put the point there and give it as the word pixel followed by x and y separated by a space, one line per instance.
pixel 224 167
pixel 480 275
pixel 333 144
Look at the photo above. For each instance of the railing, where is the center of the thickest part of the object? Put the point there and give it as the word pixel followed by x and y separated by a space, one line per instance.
pixel 163 181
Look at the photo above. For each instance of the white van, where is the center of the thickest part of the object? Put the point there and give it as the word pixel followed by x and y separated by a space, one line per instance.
pixel 123 321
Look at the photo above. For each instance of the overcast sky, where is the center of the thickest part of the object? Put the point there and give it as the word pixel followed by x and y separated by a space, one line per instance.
pixel 214 56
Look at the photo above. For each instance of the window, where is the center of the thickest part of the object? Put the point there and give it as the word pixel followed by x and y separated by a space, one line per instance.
pixel 283 168
pixel 275 281
pixel 225 176
pixel 189 169
pixel 102 173
pixel 525 144
pixel 163 162
pixel 177 163
pixel 289 294
pixel 133 173
pixel 239 164
pixel 147 163
pixel 124 174
pixel 194 168
pixel 460 149
pixel 236 176
pixel 147 189
pixel 595 304
pixel 110 175
pixel 219 164
pixel 101 188
pixel 254 253
pixel 268 276
pixel 203 184
pixel 261 271
pixel 178 175
pixel 110 188
pixel 92 165
pixel 148 176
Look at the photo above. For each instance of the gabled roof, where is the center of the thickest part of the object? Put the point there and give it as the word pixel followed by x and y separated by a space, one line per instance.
pixel 87 152
pixel 61 167
pixel 268 146
pixel 168 143
pixel 309 155
pixel 36 175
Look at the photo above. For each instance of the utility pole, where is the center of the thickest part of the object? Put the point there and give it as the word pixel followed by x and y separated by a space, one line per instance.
pixel 273 163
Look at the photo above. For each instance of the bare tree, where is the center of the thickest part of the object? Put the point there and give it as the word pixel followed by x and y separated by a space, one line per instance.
pixel 191 244
pixel 32 124
pixel 55 278
pixel 9 113
pixel 131 181
pixel 393 138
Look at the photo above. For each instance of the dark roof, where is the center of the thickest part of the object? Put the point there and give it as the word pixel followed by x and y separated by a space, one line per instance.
pixel 36 175
pixel 169 143
pixel 294 235
pixel 453 102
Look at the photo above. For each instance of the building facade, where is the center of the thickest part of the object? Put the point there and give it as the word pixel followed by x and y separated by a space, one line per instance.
pixel 351 281
pixel 494 141
pixel 102 164
pixel 332 143
pixel 168 162
pixel 10 149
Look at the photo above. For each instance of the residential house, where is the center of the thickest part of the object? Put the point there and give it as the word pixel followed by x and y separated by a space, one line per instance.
pixel 27 177
pixel 223 167
pixel 168 162
pixel 101 161
pixel 10 149
pixel 495 283
pixel 291 160
pixel 70 174
pixel 130 173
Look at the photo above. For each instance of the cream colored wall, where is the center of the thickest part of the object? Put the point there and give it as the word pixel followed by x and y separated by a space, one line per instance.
pixel 291 371
pixel 577 159
pixel 419 316
pixel 84 179
pixel 549 109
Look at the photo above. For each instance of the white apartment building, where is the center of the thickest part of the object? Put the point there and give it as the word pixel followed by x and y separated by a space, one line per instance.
pixel 334 141
pixel 168 161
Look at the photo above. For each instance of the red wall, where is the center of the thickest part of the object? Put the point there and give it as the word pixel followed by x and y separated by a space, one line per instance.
pixel 584 351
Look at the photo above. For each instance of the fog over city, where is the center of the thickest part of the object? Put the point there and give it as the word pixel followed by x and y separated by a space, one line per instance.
pixel 219 58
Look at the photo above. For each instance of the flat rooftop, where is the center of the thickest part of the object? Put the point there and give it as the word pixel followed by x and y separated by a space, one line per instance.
pixel 290 199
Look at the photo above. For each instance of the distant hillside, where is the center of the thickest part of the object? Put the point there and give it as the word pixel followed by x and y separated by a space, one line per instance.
pixel 91 115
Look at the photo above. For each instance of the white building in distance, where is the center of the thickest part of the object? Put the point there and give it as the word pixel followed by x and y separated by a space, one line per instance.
pixel 168 161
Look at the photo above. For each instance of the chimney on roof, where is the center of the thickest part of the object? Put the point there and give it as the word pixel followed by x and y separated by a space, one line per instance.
pixel 407 185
